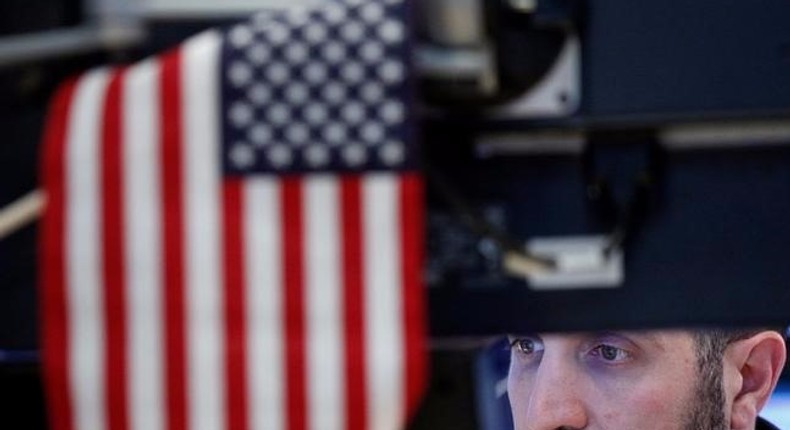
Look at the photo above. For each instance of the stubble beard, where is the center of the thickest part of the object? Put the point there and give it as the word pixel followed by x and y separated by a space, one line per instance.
pixel 707 408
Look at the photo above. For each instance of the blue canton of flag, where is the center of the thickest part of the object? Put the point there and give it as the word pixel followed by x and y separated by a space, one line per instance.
pixel 317 89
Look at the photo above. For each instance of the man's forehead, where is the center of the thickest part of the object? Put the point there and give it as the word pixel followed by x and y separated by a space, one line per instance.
pixel 659 338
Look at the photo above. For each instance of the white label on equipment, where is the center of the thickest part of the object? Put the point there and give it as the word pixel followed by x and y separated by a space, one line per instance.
pixel 581 263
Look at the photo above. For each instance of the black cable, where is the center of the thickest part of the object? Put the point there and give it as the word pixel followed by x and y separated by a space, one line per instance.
pixel 472 219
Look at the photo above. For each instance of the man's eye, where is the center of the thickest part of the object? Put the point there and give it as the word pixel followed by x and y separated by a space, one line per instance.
pixel 611 353
pixel 526 345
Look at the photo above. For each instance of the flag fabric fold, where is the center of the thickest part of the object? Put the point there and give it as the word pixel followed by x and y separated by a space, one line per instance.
pixel 233 234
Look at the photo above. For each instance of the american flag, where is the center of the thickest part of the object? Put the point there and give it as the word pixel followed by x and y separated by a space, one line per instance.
pixel 233 232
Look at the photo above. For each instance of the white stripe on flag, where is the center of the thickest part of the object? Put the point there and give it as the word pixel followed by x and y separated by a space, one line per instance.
pixel 324 326
pixel 204 298
pixel 384 339
pixel 83 236
pixel 143 245
pixel 263 263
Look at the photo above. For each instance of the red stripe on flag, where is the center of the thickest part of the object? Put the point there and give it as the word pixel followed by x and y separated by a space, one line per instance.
pixel 235 330
pixel 353 295
pixel 173 234
pixel 411 235
pixel 293 265
pixel 52 287
pixel 112 249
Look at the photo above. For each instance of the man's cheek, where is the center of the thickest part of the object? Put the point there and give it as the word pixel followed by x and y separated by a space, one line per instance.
pixel 613 416
pixel 519 393
pixel 659 407
pixel 516 392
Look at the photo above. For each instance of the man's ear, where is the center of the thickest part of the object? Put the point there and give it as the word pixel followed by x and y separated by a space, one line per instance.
pixel 752 367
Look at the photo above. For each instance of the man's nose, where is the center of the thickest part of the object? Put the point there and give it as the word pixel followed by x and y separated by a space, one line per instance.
pixel 555 401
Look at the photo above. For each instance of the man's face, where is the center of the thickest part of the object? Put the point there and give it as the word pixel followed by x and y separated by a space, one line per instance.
pixel 612 381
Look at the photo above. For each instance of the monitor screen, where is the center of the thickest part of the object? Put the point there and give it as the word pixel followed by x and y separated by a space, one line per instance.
pixel 777 411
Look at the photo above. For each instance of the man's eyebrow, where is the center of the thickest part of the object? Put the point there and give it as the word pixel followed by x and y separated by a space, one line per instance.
pixel 655 339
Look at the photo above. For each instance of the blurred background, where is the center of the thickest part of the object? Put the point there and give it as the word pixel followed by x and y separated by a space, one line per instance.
pixel 656 138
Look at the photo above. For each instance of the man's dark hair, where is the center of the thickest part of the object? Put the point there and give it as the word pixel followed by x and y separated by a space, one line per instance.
pixel 711 342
